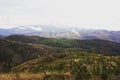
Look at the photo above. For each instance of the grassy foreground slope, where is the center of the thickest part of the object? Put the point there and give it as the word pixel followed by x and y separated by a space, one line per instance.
pixel 74 66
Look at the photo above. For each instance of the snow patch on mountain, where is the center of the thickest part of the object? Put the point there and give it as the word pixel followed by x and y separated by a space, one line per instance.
pixel 36 28
pixel 76 32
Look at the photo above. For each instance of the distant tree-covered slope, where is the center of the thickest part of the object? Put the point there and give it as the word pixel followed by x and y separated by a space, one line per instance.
pixel 63 32
pixel 99 46
pixel 1 36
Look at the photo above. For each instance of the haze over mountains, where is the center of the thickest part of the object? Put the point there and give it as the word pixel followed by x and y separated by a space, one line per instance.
pixel 62 32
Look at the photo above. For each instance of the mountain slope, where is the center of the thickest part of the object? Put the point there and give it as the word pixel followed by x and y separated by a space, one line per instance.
pixel 13 53
pixel 102 34
pixel 77 65
pixel 100 46
pixel 62 32
pixel 1 36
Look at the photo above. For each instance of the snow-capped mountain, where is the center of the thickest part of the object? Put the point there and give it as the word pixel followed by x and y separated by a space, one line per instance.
pixel 28 28
pixel 62 32
pixel 21 30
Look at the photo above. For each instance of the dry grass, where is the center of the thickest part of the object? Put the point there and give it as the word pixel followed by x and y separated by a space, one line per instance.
pixel 22 76
pixel 37 76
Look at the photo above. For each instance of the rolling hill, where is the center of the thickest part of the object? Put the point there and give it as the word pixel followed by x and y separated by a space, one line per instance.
pixel 59 58
pixel 13 53
pixel 99 46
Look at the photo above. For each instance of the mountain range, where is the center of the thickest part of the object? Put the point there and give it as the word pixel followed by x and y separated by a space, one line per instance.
pixel 62 32
pixel 27 50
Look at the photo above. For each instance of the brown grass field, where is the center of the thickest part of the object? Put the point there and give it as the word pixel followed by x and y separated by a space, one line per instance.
pixel 22 76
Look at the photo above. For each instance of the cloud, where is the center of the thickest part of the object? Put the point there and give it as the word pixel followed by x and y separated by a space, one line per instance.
pixel 98 14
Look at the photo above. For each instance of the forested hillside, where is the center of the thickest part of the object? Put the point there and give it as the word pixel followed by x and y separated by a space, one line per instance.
pixel 37 58
pixel 99 46
pixel 13 53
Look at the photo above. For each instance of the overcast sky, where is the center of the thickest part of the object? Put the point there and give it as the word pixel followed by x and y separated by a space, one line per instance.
pixel 96 14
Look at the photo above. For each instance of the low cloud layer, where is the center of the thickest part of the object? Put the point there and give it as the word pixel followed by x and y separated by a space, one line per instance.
pixel 96 14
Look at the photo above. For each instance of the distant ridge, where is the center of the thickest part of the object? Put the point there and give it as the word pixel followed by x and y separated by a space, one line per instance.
pixel 57 32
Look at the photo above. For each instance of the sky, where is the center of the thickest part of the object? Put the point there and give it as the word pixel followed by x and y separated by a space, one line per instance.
pixel 95 14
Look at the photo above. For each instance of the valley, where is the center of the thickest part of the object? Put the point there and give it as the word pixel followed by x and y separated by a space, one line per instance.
pixel 59 40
